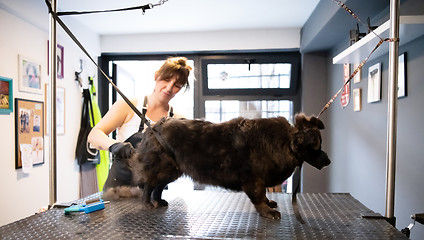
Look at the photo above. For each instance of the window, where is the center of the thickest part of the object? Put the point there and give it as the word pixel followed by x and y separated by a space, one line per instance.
pixel 255 85
pixel 224 110
pixel 234 76
pixel 143 72
pixel 249 85
pixel 263 74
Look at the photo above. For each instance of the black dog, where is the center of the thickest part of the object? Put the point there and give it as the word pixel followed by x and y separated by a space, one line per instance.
pixel 240 154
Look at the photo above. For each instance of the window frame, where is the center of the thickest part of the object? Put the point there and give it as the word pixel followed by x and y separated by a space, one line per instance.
pixel 255 58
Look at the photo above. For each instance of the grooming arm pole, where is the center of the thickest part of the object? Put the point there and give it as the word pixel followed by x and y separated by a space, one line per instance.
pixel 52 109
pixel 392 112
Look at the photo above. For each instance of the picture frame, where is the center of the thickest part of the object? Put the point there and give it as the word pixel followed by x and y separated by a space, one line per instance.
pixel 345 96
pixel 60 54
pixel 357 77
pixel 357 99
pixel 60 109
pixel 6 95
pixel 374 83
pixel 29 133
pixel 402 77
pixel 29 76
pixel 60 65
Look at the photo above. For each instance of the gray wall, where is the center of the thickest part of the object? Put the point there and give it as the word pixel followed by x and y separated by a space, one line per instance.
pixel 356 141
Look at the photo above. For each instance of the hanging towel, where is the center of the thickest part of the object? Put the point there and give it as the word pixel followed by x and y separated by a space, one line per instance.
pixel 103 167
pixel 86 156
pixel 84 152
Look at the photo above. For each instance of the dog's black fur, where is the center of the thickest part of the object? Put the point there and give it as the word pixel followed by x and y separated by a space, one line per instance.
pixel 240 154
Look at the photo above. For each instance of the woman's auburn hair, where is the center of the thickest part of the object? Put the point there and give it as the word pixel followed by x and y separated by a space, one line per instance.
pixel 175 66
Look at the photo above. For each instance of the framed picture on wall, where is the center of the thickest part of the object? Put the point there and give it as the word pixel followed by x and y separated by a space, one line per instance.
pixel 29 76
pixel 29 135
pixel 60 54
pixel 402 77
pixel 357 100
pixel 6 95
pixel 60 109
pixel 357 78
pixel 374 83
pixel 345 96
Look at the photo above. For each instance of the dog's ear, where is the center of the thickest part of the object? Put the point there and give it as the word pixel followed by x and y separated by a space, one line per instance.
pixel 302 122
pixel 317 122
pixel 299 121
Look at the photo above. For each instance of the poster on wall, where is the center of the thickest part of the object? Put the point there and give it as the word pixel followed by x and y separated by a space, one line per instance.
pixel 402 77
pixel 357 100
pixel 374 83
pixel 29 76
pixel 60 52
pixel 60 109
pixel 6 95
pixel 344 99
pixel 29 133
pixel 357 78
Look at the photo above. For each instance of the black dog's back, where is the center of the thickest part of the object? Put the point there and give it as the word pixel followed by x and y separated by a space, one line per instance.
pixel 209 153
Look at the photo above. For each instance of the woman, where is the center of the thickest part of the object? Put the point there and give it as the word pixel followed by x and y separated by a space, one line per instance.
pixel 170 79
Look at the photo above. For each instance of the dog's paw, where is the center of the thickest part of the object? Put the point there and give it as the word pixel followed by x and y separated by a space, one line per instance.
pixel 160 203
pixel 267 212
pixel 271 214
pixel 147 206
pixel 272 204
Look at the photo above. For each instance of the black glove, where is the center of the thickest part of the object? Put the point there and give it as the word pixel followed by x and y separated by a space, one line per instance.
pixel 121 150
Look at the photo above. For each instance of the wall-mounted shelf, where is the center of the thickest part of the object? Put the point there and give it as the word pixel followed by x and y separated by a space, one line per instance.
pixel 410 28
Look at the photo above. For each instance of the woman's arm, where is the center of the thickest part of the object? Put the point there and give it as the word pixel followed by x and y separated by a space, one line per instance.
pixel 117 115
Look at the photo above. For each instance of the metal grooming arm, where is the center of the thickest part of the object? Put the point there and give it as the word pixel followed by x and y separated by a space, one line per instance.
pixel 416 217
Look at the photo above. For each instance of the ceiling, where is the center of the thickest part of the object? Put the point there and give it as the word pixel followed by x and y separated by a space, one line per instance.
pixel 189 15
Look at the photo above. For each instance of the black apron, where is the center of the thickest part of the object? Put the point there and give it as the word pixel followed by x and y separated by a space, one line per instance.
pixel 120 173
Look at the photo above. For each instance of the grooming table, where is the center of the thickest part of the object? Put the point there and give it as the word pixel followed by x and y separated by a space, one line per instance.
pixel 209 215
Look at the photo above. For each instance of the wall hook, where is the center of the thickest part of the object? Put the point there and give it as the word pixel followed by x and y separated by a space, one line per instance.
pixel 77 74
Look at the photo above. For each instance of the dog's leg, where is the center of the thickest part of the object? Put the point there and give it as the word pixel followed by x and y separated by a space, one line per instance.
pixel 256 192
pixel 157 197
pixel 146 197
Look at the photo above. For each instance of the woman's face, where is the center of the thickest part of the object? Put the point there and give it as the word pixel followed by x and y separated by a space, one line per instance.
pixel 167 88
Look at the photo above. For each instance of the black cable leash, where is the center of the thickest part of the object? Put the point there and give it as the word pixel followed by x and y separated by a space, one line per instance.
pixel 72 36
pixel 143 8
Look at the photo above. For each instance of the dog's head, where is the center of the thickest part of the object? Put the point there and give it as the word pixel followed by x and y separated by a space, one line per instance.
pixel 306 141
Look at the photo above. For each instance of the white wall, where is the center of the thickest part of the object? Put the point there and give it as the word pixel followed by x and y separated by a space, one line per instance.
pixel 24 194
pixel 203 41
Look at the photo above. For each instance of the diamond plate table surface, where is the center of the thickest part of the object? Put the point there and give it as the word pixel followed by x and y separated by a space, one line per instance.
pixel 209 215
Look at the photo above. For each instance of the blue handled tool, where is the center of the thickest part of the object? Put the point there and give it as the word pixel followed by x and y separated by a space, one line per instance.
pixel 90 206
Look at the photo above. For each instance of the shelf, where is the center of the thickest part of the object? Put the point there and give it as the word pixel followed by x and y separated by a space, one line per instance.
pixel 410 28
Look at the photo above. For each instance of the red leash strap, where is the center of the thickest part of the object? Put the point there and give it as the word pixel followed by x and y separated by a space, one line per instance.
pixel 355 72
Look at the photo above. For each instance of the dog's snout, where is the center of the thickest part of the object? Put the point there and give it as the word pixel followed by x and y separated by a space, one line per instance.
pixel 320 161
pixel 323 158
